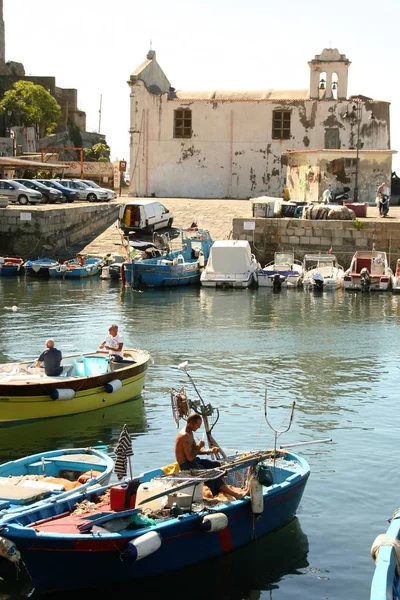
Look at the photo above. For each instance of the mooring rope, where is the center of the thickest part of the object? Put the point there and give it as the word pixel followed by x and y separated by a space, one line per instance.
pixel 382 540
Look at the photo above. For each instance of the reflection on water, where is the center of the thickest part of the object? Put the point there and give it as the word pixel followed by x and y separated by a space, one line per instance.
pixel 101 426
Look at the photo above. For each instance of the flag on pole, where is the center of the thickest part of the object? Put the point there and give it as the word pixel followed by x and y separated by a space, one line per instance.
pixel 123 450
pixel 330 250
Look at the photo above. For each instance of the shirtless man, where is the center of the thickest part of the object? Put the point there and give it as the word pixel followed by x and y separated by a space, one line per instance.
pixel 187 451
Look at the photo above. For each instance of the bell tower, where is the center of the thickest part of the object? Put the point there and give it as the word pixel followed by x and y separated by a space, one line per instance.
pixel 329 72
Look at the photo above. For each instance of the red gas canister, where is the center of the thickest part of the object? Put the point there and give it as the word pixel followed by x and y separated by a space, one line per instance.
pixel 123 497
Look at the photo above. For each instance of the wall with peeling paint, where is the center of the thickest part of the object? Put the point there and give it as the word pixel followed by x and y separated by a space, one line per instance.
pixel 310 173
pixel 231 153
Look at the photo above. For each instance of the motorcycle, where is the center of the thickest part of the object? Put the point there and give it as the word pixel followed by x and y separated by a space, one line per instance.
pixel 331 197
pixel 383 204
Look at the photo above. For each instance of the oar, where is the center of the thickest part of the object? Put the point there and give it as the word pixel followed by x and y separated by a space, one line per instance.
pixel 306 443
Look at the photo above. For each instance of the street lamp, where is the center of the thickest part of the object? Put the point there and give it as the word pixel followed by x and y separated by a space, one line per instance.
pixel 356 116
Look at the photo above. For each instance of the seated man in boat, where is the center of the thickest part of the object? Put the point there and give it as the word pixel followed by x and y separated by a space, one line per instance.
pixel 51 358
pixel 80 260
pixel 114 344
pixel 187 452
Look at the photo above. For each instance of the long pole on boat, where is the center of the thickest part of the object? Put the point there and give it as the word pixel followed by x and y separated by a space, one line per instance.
pixel 282 446
pixel 211 441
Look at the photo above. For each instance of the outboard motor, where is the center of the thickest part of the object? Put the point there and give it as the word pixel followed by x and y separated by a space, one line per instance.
pixel 318 282
pixel 276 283
pixel 365 280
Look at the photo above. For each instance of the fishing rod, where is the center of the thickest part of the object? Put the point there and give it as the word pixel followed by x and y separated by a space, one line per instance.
pixel 205 411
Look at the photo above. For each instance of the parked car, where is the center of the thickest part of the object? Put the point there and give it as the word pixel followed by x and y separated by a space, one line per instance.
pixel 49 194
pixel 69 195
pixel 85 192
pixel 110 193
pixel 16 192
pixel 146 215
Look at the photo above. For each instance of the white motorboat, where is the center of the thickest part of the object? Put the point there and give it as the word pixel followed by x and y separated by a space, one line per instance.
pixel 322 272
pixel 396 279
pixel 369 271
pixel 230 264
pixel 285 271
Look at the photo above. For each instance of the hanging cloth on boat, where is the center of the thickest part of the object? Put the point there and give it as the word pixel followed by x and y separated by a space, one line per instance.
pixel 123 451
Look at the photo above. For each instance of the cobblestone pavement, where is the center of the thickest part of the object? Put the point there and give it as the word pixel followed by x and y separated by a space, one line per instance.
pixel 215 215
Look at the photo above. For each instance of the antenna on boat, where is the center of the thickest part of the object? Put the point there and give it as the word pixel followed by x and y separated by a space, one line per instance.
pixel 206 411
pixel 277 432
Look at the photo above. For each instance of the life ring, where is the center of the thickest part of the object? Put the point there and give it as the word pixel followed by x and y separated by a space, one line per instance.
pixel 378 260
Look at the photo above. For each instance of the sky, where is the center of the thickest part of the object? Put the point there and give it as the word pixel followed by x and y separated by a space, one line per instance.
pixel 94 46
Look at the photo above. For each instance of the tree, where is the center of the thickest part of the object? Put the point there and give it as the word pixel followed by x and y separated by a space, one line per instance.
pixel 98 153
pixel 28 104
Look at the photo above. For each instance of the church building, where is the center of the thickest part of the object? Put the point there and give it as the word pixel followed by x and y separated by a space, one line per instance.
pixel 242 144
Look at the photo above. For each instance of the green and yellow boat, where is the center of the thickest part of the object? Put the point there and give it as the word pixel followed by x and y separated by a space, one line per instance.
pixel 88 382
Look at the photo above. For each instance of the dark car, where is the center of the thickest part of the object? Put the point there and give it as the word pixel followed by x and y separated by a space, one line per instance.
pixel 69 195
pixel 49 194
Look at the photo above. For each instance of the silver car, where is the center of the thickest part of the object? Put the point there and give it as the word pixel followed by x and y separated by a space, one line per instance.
pixel 110 193
pixel 16 192
pixel 85 192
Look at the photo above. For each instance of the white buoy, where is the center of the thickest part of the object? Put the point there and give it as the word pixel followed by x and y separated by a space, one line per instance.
pixel 143 546
pixel 256 496
pixel 113 386
pixel 62 394
pixel 214 522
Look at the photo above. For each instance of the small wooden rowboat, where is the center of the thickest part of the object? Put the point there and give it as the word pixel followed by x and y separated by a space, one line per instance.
pixel 49 475
pixel 89 381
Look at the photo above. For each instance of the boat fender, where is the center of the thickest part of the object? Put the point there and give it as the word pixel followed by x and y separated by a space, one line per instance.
pixel 9 550
pixel 113 386
pixel 214 522
pixel 143 546
pixel 256 496
pixel 202 260
pixel 62 394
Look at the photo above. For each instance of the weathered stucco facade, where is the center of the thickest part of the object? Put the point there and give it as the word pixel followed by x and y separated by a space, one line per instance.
pixel 232 144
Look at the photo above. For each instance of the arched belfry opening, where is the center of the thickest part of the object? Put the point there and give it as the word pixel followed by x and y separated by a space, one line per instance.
pixel 333 67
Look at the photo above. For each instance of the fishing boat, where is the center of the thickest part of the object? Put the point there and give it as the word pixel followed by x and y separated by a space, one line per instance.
pixel 93 540
pixel 284 268
pixel 231 264
pixel 396 278
pixel 385 551
pixel 11 265
pixel 181 266
pixel 48 475
pixel 89 381
pixel 369 271
pixel 73 269
pixel 322 272
pixel 39 267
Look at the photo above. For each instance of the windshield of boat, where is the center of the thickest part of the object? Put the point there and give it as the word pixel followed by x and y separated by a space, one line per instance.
pixel 284 258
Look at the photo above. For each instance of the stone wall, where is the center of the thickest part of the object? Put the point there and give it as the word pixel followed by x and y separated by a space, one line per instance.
pixel 304 236
pixel 32 232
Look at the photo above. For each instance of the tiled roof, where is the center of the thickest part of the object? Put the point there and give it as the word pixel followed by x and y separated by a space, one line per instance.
pixel 242 95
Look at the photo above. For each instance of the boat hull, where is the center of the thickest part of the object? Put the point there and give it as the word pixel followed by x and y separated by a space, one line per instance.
pixel 162 275
pixel 265 279
pixel 57 562
pixel 386 581
pixel 376 284
pixel 27 401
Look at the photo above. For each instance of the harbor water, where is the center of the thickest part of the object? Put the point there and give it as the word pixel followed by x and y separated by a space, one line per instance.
pixel 335 354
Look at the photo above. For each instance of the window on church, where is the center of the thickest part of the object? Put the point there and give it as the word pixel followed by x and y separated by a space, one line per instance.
pixel 332 138
pixel 281 125
pixel 183 123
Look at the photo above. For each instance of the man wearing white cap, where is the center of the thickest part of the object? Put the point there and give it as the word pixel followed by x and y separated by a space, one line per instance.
pixel 51 357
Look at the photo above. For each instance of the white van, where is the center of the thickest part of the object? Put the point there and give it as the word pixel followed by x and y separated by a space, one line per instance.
pixel 150 215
